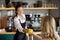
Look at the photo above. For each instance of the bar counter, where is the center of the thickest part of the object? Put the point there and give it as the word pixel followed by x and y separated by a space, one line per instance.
pixel 15 32
pixel 10 35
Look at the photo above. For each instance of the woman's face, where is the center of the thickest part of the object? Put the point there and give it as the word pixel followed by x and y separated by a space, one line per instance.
pixel 20 10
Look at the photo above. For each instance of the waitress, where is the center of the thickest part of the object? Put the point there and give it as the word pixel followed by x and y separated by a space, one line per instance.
pixel 20 24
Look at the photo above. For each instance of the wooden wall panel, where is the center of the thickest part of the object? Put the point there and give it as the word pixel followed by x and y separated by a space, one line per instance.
pixel 4 22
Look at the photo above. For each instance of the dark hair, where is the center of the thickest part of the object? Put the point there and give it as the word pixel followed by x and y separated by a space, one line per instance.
pixel 17 6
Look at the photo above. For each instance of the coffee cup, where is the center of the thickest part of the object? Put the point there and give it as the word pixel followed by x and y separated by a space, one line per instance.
pixel 30 31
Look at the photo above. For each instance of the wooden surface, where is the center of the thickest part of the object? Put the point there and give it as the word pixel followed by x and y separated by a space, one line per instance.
pixel 7 32
pixel 40 8
pixel 15 32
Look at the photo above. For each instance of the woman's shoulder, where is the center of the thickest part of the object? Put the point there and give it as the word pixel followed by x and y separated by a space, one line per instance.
pixel 23 15
pixel 16 18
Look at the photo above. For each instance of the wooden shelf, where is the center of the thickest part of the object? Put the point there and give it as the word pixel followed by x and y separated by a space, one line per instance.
pixel 40 8
pixel 7 8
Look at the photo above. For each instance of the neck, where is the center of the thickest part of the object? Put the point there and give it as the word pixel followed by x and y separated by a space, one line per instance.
pixel 21 16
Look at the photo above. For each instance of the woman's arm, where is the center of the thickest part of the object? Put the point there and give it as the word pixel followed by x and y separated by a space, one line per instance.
pixel 18 25
pixel 26 26
pixel 37 36
pixel 56 35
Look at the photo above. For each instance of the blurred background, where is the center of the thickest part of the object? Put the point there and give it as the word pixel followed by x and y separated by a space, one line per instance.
pixel 33 17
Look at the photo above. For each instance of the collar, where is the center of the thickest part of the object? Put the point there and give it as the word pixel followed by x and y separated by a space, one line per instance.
pixel 19 17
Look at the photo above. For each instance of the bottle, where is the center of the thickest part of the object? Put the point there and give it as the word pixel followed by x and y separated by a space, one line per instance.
pixel 2 5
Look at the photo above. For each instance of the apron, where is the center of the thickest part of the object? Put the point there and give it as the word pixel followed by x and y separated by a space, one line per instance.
pixel 20 35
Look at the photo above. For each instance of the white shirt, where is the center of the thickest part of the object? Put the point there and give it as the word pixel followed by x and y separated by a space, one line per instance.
pixel 17 22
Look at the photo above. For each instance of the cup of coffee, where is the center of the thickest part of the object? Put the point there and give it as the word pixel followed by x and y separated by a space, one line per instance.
pixel 30 31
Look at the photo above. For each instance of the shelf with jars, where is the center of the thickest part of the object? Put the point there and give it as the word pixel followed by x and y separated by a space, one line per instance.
pixel 38 8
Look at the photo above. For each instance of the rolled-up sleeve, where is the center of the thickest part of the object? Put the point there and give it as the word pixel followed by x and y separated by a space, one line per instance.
pixel 18 25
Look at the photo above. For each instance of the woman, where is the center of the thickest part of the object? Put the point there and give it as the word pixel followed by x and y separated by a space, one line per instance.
pixel 48 31
pixel 20 24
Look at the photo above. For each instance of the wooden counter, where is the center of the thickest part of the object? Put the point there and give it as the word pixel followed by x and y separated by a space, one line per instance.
pixel 15 32
pixel 10 35
pixel 7 32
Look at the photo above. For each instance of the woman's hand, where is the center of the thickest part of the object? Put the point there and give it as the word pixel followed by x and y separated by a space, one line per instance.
pixel 36 36
pixel 56 36
pixel 25 30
